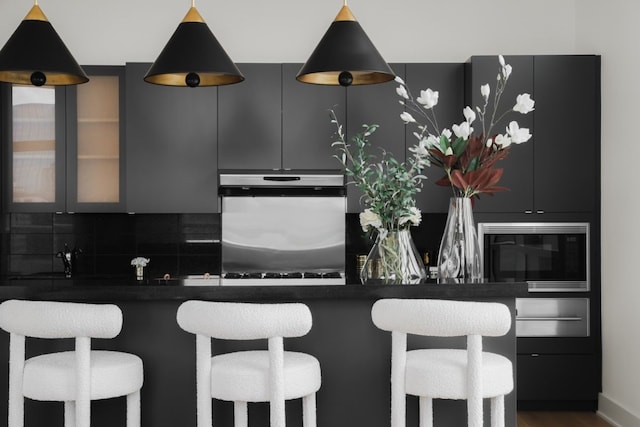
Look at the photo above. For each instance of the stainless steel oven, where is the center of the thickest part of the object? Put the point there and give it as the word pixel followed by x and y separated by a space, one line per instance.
pixel 283 227
pixel 550 257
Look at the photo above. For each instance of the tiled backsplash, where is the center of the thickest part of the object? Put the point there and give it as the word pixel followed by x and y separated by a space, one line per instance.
pixel 177 244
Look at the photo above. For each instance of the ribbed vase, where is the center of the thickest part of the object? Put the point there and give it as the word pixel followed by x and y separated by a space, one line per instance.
pixel 459 257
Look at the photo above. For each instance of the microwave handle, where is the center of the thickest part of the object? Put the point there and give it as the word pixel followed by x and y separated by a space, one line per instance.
pixel 565 319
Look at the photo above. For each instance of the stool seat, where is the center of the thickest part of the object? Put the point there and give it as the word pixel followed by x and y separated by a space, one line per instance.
pixel 244 375
pixel 51 377
pixel 442 374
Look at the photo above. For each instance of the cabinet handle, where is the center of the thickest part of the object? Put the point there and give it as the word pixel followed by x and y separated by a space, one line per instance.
pixel 540 211
pixel 563 319
pixel 528 212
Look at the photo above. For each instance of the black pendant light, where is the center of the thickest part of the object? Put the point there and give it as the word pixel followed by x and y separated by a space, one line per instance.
pixel 35 54
pixel 345 56
pixel 193 57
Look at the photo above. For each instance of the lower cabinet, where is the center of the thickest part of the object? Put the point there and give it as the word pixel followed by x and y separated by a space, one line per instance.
pixel 557 377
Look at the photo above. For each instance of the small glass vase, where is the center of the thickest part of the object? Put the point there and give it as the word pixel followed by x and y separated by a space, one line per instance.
pixel 459 259
pixel 393 259
pixel 139 272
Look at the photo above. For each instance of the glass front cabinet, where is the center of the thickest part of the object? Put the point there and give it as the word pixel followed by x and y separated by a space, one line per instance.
pixel 63 145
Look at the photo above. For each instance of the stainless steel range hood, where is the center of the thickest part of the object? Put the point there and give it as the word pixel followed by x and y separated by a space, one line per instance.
pixel 283 225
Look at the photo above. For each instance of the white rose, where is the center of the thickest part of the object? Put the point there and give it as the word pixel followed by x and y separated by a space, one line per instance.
pixel 414 217
pixel 368 219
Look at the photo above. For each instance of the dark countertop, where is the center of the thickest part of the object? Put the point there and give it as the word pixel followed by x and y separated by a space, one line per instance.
pixel 106 288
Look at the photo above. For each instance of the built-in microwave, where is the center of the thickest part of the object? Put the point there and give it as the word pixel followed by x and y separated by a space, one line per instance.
pixel 550 257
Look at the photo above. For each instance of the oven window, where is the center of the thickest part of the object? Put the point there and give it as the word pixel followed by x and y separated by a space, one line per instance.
pixel 535 257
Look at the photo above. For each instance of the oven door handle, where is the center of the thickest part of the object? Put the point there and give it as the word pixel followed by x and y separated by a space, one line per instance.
pixel 281 178
pixel 564 319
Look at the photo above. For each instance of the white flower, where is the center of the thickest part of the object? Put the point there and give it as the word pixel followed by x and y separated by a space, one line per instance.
pixel 428 98
pixel 524 104
pixel 469 114
pixel 463 130
pixel 407 118
pixel 447 133
pixel 501 60
pixel 140 261
pixel 503 141
pixel 402 91
pixel 518 135
pixel 398 79
pixel 368 219
pixel 414 217
pixel 485 90
pixel 432 141
pixel 506 71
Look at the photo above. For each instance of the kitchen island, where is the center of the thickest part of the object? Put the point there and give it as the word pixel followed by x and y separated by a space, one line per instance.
pixel 354 355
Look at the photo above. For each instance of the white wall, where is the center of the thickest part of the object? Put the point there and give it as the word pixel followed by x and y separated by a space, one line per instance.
pixel 119 31
pixel 610 29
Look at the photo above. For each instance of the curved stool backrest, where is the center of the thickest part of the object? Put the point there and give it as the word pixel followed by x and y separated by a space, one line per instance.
pixel 52 320
pixel 439 318
pixel 242 321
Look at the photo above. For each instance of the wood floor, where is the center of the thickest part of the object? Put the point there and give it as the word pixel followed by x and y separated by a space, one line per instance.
pixel 560 419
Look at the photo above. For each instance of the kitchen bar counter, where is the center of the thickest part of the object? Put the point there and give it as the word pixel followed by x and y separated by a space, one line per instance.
pixel 354 355
pixel 124 289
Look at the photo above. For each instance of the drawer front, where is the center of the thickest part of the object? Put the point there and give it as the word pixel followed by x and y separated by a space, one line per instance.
pixel 552 317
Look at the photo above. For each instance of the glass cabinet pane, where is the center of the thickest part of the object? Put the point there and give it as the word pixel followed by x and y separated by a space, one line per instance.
pixel 34 144
pixel 98 123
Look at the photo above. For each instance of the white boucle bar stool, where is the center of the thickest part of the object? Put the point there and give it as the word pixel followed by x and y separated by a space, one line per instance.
pixel 73 377
pixel 272 375
pixel 469 374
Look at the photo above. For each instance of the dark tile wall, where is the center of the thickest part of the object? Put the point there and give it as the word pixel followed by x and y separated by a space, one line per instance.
pixel 177 244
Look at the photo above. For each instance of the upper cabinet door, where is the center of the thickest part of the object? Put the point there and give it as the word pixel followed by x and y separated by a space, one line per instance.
pixel 448 80
pixel 376 104
pixel 307 131
pixel 567 133
pixel 250 119
pixel 33 136
pixel 95 142
pixel 518 166
pixel 171 146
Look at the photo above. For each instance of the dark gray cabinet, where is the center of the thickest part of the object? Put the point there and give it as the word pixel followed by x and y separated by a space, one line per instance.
pixel 171 144
pixel 375 104
pixel 307 132
pixel 448 80
pixel 250 120
pixel 567 133
pixel 518 174
pixel 557 170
